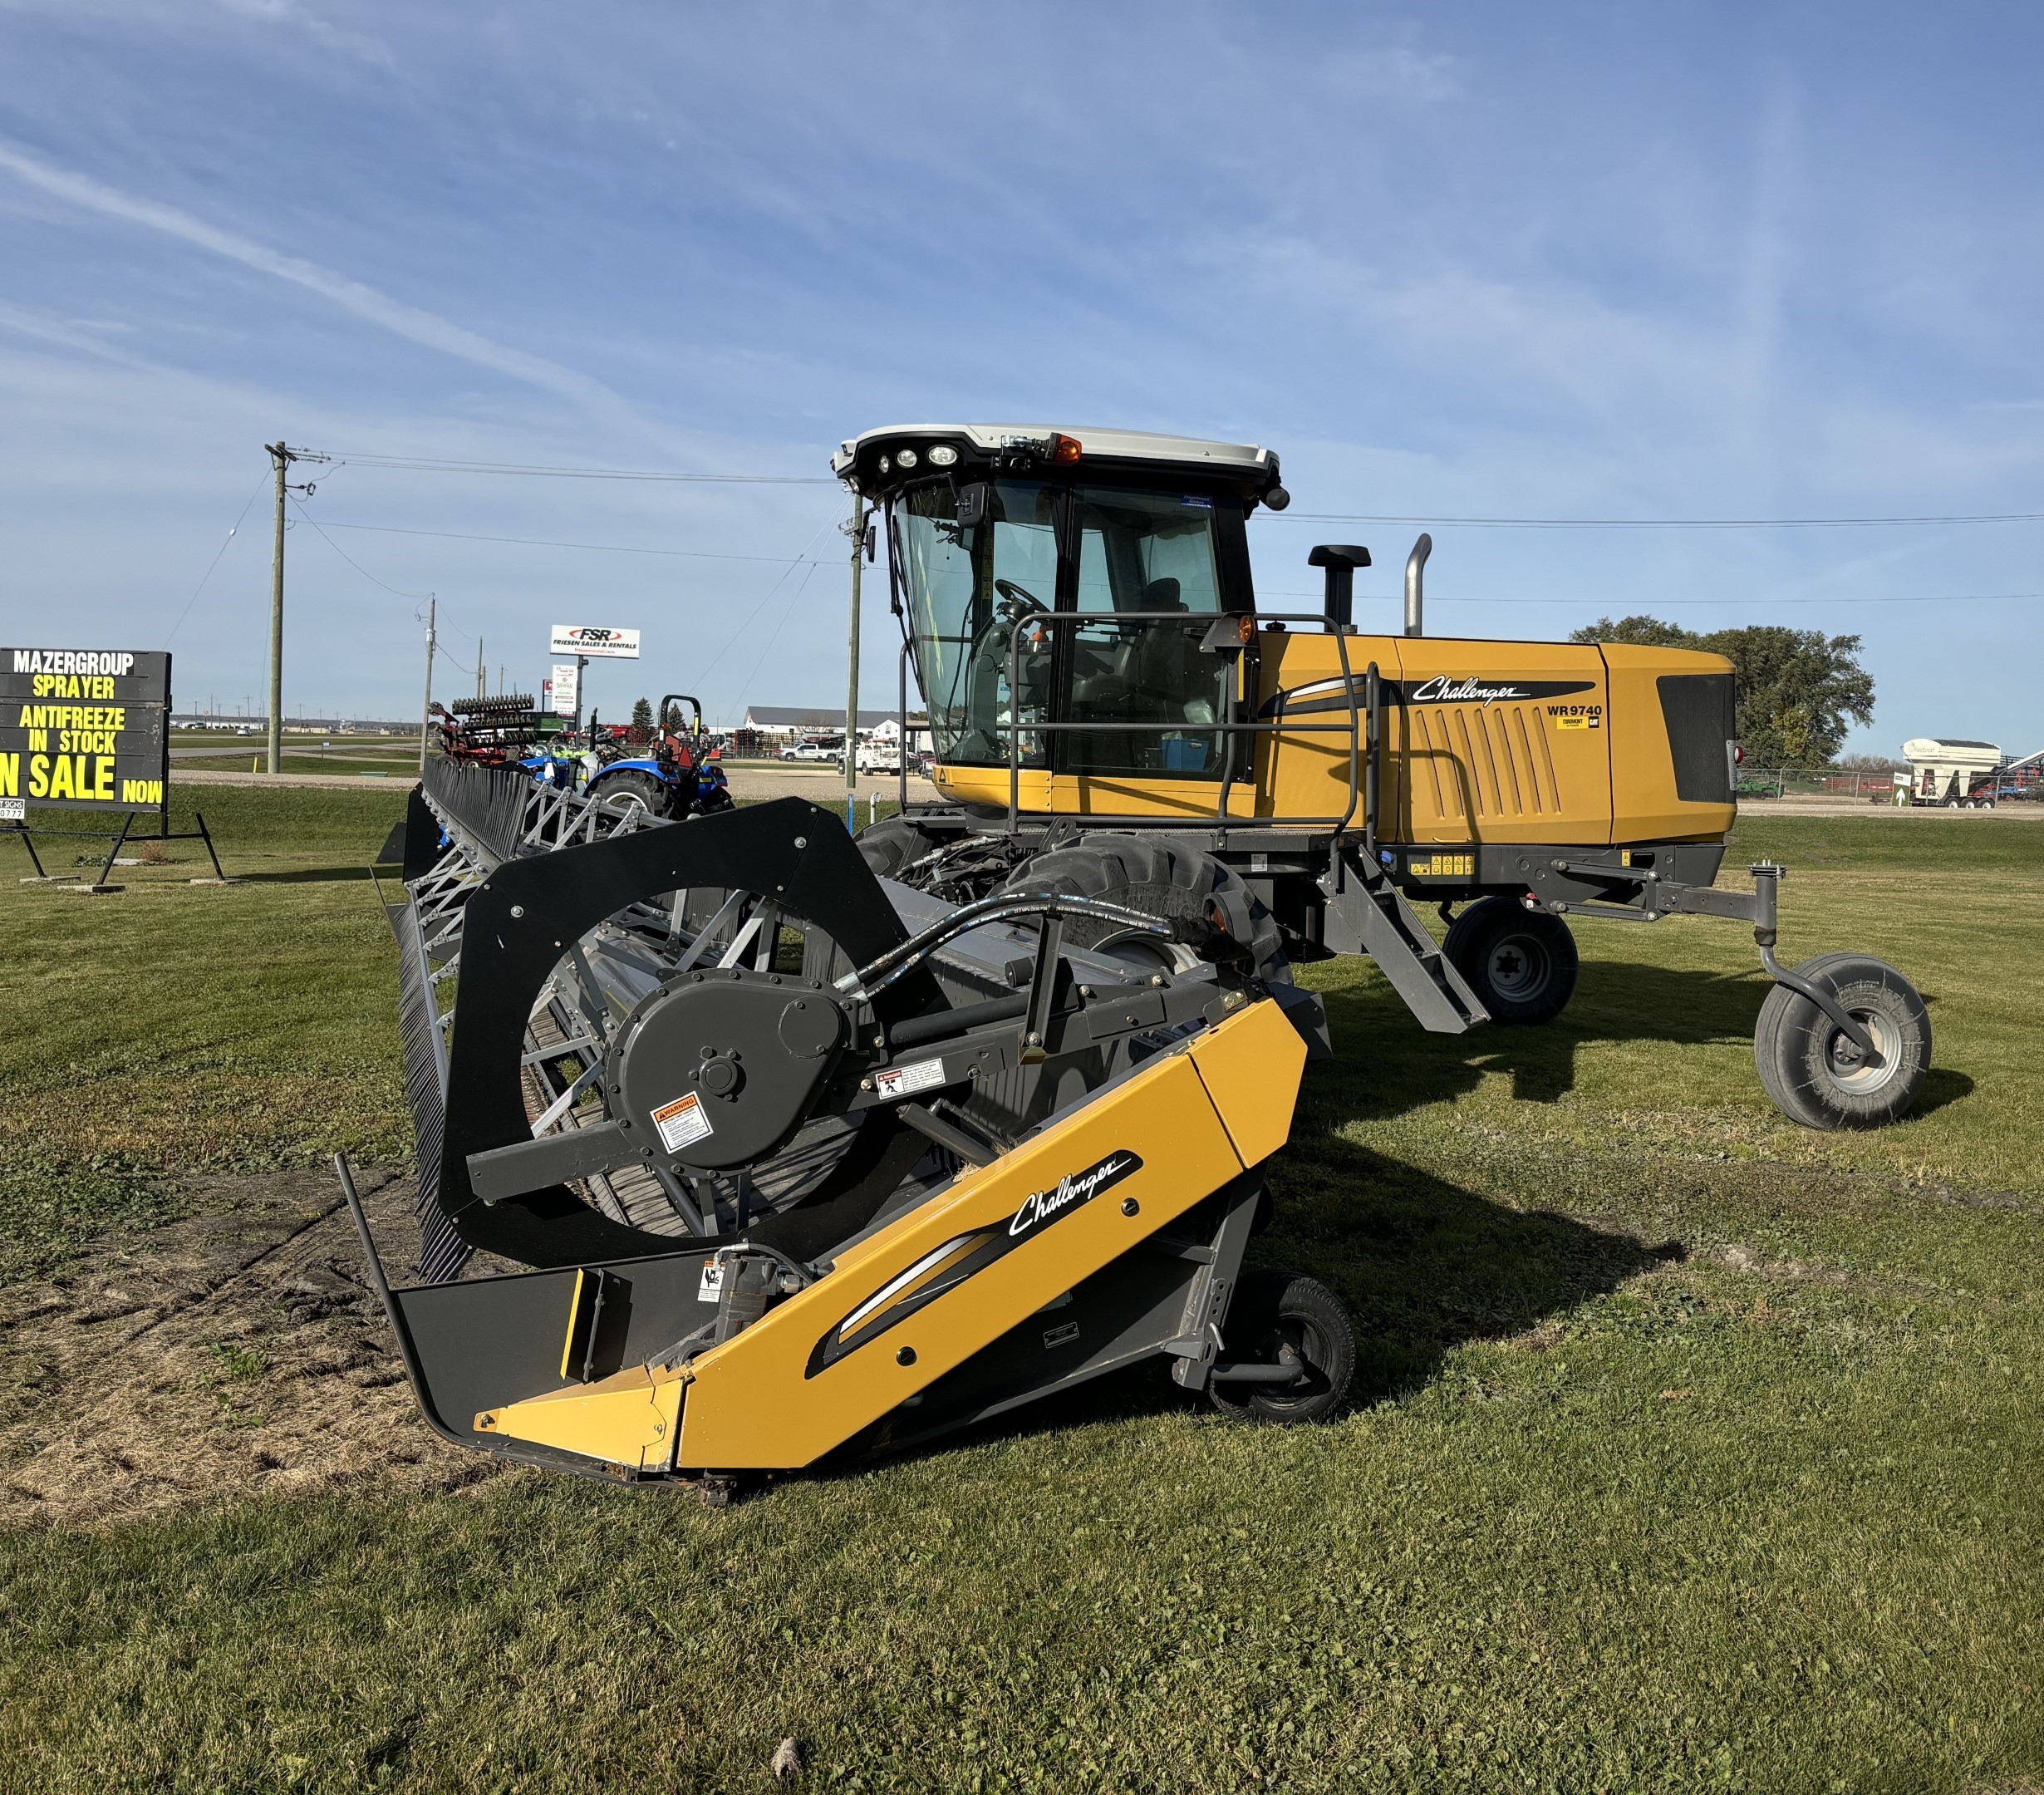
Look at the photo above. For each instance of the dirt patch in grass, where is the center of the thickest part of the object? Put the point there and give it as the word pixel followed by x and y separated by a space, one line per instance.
pixel 238 1352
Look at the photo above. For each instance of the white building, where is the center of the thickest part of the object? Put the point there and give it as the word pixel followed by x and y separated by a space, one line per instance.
pixel 786 722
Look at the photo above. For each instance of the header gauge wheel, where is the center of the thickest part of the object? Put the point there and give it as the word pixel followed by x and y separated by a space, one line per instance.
pixel 1521 962
pixel 1285 1318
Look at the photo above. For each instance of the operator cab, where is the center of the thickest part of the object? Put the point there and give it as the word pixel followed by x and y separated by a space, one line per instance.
pixel 1137 539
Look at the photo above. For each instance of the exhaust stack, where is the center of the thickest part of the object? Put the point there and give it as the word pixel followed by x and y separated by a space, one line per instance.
pixel 1415 574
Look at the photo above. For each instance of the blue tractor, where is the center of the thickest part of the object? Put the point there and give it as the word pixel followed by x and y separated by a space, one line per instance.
pixel 674 778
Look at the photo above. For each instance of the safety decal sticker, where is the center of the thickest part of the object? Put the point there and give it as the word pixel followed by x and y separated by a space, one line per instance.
pixel 905 1080
pixel 1445 866
pixel 682 1123
pixel 710 1285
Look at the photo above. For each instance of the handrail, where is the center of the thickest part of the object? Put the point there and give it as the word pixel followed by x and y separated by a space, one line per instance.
pixel 1356 728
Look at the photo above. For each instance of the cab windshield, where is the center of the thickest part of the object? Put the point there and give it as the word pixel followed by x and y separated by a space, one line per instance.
pixel 1131 562
pixel 962 621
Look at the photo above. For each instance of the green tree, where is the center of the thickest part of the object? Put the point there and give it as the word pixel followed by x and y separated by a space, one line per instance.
pixel 1799 690
pixel 642 713
pixel 1642 631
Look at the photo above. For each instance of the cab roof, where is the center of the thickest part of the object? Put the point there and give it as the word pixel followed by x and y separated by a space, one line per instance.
pixel 980 449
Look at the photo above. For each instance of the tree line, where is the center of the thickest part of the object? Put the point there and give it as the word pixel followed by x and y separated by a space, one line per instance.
pixel 1799 691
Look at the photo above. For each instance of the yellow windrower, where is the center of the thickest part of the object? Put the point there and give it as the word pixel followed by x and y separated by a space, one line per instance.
pixel 815 1148
pixel 1109 705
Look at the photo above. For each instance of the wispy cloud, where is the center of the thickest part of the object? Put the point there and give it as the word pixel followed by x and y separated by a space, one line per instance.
pixel 411 322
pixel 63 334
pixel 322 32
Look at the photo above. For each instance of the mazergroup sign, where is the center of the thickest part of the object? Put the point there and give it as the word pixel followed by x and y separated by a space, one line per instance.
pixel 84 727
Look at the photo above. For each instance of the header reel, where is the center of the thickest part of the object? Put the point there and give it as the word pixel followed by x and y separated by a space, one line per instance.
pixel 712 1062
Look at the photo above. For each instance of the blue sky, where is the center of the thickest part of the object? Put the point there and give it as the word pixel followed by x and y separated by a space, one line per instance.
pixel 1477 260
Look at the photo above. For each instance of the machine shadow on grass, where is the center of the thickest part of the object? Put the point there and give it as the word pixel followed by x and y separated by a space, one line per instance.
pixel 1386 1066
pixel 1613 1001
pixel 1423 1265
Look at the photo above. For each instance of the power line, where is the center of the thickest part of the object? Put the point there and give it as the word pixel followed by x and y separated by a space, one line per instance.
pixel 430 464
pixel 702 678
pixel 1537 523
pixel 794 598
pixel 215 561
pixel 535 542
pixel 351 559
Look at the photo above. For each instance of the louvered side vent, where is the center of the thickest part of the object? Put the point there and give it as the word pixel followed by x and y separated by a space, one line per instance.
pixel 1470 762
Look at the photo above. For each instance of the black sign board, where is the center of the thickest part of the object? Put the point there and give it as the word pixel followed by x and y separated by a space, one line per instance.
pixel 88 728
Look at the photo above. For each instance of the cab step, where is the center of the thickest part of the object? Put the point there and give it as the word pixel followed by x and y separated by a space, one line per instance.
pixel 1367 913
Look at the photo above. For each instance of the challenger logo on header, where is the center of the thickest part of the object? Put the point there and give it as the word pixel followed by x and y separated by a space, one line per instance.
pixel 1073 1189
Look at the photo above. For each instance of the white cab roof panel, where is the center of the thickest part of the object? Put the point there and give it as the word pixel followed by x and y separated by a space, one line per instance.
pixel 1120 444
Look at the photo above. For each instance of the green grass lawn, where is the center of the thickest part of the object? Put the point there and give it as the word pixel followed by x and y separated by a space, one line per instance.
pixel 396 762
pixel 1689 1450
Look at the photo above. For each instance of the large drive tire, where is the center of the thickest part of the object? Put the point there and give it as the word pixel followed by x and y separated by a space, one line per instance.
pixel 1165 879
pixel 618 789
pixel 890 847
pixel 1815 1075
pixel 1274 1312
pixel 1520 963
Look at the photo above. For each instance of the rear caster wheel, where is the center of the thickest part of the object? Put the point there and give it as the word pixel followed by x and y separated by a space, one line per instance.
pixel 1815 1074
pixel 1281 1317
pixel 1522 963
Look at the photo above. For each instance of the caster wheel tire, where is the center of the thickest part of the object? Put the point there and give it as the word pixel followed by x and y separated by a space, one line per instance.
pixel 1520 963
pixel 1274 1313
pixel 1817 1077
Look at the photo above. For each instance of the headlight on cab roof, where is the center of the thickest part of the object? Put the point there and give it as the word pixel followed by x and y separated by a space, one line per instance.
pixel 905 458
pixel 942 455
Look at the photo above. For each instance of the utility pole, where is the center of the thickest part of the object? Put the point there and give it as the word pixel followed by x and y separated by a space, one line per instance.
pixel 852 693
pixel 425 716
pixel 482 673
pixel 284 458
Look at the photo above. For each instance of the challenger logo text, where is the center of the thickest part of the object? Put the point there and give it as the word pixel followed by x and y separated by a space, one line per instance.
pixel 1073 1189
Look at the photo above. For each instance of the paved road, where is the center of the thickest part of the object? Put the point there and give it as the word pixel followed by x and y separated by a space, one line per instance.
pixel 341 750
pixel 822 785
